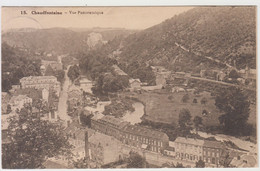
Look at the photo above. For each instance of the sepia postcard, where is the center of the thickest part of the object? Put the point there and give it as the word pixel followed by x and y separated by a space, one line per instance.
pixel 129 87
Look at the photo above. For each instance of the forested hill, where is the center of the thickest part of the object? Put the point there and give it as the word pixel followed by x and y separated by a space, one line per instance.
pixel 183 42
pixel 61 40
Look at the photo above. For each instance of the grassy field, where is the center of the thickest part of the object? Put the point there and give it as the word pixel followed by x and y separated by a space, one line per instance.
pixel 159 108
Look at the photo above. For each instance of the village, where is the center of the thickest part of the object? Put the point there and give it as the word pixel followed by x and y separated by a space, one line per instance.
pixel 106 139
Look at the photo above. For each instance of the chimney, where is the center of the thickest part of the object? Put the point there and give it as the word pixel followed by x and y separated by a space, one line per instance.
pixel 86 146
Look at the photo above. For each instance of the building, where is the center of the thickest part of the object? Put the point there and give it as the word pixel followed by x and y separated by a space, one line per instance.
pixel 141 137
pixel 189 149
pixel 109 125
pixel 18 102
pixel 45 94
pixel 40 82
pixel 212 152
pixel 132 135
pixel 135 84
pixel 85 84
pixel 244 161
pixel 103 149
pixel 75 96
pixel 55 65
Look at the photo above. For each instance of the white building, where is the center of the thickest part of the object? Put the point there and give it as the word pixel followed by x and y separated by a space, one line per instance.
pixel 40 82
pixel 189 149
pixel 86 84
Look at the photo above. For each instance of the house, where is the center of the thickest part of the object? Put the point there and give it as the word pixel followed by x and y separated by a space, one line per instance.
pixel 55 65
pixel 103 149
pixel 75 96
pixel 86 84
pixel 141 137
pixel 189 149
pixel 109 125
pixel 244 161
pixel 18 102
pixel 170 150
pixel 135 84
pixel 212 152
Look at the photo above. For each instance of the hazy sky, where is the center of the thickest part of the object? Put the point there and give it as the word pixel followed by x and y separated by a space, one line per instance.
pixel 122 17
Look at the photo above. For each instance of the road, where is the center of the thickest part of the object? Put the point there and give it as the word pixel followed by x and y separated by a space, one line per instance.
pixel 208 57
pixel 62 107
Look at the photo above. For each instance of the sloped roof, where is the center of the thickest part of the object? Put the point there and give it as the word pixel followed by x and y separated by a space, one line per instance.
pixel 142 131
pixel 189 141
pixel 114 121
pixel 213 144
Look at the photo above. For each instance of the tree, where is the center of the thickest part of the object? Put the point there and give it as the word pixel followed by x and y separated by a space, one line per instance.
pixel 233 74
pixel 185 98
pixel 185 121
pixel 195 100
pixel 179 165
pixel 49 71
pixel 225 160
pixel 203 101
pixel 197 122
pixel 73 72
pixel 200 164
pixel 33 140
pixel 136 161
pixel 81 163
pixel 235 106
pixel 8 109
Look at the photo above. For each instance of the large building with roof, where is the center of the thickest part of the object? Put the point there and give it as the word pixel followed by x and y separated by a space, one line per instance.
pixel 189 149
pixel 193 150
pixel 103 149
pixel 41 82
pixel 136 136
pixel 145 138
pixel 109 125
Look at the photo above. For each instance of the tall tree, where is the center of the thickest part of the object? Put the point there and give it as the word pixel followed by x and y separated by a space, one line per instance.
pixel 197 122
pixel 200 164
pixel 136 161
pixel 235 106
pixel 33 140
pixel 185 122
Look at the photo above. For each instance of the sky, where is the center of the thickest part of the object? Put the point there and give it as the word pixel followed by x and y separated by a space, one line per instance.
pixel 114 17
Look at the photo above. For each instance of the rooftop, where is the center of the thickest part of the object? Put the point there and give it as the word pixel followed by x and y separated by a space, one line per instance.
pixel 139 130
pixel 189 141
pixel 114 121
pixel 213 144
